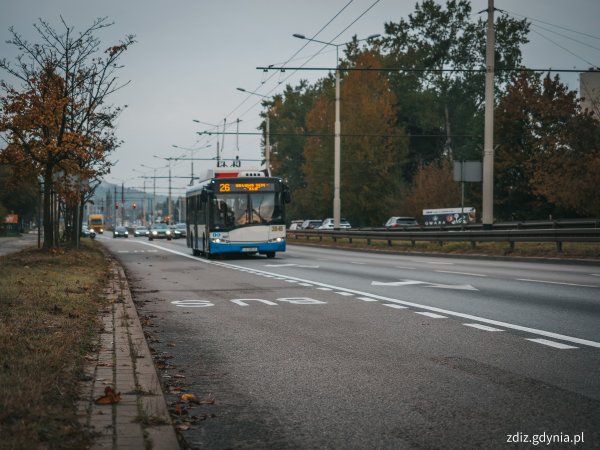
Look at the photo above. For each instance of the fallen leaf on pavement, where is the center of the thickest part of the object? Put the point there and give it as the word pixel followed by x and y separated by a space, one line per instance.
pixel 109 397
pixel 191 398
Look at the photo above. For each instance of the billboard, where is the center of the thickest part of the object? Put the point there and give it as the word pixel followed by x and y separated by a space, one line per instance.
pixel 449 216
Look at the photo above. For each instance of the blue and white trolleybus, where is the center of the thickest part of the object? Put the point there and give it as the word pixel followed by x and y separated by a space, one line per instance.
pixel 237 211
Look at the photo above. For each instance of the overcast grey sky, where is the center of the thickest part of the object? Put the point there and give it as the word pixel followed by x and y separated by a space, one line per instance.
pixel 192 55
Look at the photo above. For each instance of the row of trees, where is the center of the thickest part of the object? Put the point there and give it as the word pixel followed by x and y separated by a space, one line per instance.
pixel 57 124
pixel 417 105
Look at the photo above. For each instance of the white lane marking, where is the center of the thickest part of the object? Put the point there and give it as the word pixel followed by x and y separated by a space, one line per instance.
pixel 440 263
pixel 306 284
pixel 557 282
pixel 367 299
pixel 482 327
pixel 595 274
pixel 464 287
pixel 291 281
pixel 430 314
pixel 329 287
pixel 405 268
pixel 292 265
pixel 392 305
pixel 396 283
pixel 461 273
pixel 552 344
pixel 358 263
pixel 344 293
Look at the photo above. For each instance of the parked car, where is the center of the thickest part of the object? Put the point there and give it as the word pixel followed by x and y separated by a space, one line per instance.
pixel 296 225
pixel 400 221
pixel 141 231
pixel 160 231
pixel 310 224
pixel 329 225
pixel 85 231
pixel 178 230
pixel 120 232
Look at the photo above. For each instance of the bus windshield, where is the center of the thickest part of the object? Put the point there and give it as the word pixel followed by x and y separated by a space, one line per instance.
pixel 233 210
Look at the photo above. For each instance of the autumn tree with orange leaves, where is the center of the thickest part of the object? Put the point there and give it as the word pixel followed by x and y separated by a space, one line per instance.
pixel 373 148
pixel 548 156
pixel 57 125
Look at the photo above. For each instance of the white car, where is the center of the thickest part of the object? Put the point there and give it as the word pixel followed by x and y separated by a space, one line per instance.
pixel 399 222
pixel 328 224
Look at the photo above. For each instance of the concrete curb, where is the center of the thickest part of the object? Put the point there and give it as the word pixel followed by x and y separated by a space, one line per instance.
pixel 140 420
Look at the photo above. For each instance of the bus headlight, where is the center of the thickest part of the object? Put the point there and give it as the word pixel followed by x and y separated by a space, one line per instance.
pixel 219 241
pixel 277 239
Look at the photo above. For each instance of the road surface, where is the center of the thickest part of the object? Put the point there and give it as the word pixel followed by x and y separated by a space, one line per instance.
pixel 320 348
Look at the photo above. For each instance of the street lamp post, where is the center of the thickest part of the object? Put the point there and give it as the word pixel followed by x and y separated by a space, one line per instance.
pixel 267 131
pixel 191 150
pixel 337 127
pixel 153 191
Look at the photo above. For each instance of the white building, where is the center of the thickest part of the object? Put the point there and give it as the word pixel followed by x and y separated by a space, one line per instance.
pixel 589 91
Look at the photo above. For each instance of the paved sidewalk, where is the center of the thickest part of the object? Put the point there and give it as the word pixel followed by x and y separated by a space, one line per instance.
pixel 140 420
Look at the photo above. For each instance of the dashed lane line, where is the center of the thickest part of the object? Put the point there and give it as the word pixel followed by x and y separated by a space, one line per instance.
pixel 481 327
pixel 557 282
pixel 430 314
pixel 558 345
pixel 461 273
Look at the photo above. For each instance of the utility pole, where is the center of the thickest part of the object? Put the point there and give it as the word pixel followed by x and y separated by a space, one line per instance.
pixel 488 145
pixel 122 203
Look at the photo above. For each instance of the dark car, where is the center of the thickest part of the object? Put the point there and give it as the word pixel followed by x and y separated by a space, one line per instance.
pixel 160 231
pixel 120 232
pixel 179 230
pixel 141 231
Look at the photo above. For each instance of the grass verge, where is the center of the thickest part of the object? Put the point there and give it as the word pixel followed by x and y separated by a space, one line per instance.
pixel 570 250
pixel 49 307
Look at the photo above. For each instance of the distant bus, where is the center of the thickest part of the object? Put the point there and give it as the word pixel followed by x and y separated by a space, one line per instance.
pixel 449 216
pixel 96 223
pixel 237 212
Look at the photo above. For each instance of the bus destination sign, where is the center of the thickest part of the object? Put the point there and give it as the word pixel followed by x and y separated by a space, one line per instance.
pixel 246 187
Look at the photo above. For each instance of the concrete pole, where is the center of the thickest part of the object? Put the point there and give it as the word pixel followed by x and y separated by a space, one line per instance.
pixel 170 205
pixel 488 145
pixel 336 156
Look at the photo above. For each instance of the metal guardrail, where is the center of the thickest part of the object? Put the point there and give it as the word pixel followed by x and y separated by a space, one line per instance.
pixel 510 236
pixel 518 225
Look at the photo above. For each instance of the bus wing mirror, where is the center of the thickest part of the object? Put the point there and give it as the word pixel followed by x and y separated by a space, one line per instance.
pixel 287 196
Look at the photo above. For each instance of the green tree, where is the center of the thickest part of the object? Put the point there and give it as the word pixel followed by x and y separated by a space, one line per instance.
pixel 442 48
pixel 288 129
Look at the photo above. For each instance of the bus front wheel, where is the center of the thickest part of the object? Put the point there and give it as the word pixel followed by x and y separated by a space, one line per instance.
pixel 270 254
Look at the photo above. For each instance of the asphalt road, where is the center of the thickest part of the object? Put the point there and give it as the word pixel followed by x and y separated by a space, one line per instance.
pixel 334 349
